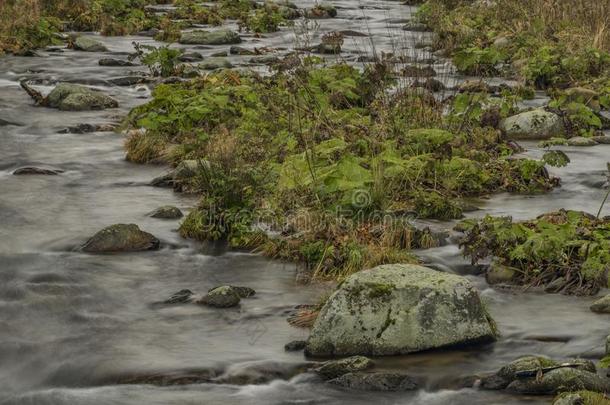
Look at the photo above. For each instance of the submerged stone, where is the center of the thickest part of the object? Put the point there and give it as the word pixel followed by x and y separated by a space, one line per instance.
pixel 28 170
pixel 295 346
pixel 114 62
pixel 398 309
pixel 363 381
pixel 180 297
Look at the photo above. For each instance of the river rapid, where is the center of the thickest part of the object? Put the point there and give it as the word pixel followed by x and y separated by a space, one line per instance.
pixel 72 324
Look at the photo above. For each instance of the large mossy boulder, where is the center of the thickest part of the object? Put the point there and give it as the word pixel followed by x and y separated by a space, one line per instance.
pixel 399 308
pixel 533 125
pixel 121 238
pixel 89 44
pixel 74 97
pixel 218 37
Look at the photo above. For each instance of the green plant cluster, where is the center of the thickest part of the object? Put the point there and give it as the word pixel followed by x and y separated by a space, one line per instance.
pixel 255 17
pixel 567 248
pixel 327 157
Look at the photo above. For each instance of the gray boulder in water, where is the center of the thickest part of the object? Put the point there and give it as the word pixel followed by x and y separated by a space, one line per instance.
pixel 533 125
pixel 89 44
pixel 121 238
pixel 72 97
pixel 397 309
pixel 218 37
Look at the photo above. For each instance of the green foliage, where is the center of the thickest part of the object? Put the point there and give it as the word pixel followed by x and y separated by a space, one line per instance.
pixel 326 157
pixel 478 61
pixel 571 246
pixel 161 61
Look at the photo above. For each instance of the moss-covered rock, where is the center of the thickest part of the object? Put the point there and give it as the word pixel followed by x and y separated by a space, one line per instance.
pixel 560 380
pixel 74 97
pixel 581 141
pixel 535 124
pixel 121 238
pixel 221 297
pixel 167 212
pixel 581 398
pixel 336 368
pixel 218 37
pixel 89 44
pixel 397 309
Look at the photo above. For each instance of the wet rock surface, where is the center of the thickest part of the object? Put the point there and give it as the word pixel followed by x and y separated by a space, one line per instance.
pixel 167 212
pixel 535 124
pixel 336 368
pixel 363 381
pixel 74 97
pixel 398 309
pixel 121 238
pixel 34 170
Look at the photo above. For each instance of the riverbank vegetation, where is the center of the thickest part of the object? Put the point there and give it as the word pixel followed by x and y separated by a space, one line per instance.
pixel 327 164
pixel 26 25
pixel 565 251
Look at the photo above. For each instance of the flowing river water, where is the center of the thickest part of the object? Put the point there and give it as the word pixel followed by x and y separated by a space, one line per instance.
pixel 71 324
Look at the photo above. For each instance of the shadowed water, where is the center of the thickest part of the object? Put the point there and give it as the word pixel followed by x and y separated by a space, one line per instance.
pixel 73 324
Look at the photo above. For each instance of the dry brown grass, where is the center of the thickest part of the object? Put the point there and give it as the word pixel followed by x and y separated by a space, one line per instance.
pixel 581 22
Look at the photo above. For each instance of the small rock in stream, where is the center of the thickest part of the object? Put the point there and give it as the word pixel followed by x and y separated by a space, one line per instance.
pixel 87 128
pixel 295 345
pixel 221 297
pixel 121 238
pixel 181 297
pixel 166 212
pixel 243 292
pixel 29 170
pixel 541 376
pixel 218 37
pixel 88 44
pixel 394 382
pixel 115 62
pixel 72 97
pixel 581 141
pixel 336 368
pixel 602 305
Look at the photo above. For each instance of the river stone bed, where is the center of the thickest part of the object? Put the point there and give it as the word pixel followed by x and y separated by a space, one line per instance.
pixel 71 320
